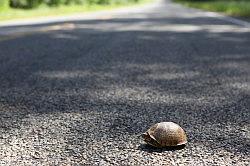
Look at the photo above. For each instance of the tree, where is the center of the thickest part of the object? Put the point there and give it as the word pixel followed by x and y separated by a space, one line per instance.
pixel 4 4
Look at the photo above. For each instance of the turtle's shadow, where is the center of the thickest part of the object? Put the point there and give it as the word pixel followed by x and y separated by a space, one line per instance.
pixel 151 149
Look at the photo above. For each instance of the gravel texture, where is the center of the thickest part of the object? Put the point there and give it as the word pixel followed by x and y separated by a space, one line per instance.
pixel 82 95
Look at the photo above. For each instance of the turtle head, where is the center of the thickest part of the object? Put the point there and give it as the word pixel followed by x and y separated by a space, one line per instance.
pixel 150 140
pixel 146 136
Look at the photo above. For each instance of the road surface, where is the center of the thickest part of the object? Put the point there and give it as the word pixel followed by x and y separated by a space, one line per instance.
pixel 81 92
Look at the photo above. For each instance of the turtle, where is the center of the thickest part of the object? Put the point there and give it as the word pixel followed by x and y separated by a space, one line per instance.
pixel 165 134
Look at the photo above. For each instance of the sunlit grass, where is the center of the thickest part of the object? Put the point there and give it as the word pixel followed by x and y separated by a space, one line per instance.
pixel 44 11
pixel 239 8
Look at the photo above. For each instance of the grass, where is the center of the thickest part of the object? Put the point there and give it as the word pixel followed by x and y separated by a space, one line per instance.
pixel 239 8
pixel 43 11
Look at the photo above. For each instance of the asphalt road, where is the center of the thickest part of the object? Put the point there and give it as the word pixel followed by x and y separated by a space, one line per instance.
pixel 82 92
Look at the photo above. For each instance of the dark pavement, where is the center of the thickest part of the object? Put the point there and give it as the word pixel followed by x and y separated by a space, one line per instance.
pixel 82 92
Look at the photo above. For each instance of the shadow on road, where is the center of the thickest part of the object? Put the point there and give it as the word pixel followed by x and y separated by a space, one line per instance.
pixel 150 149
pixel 105 81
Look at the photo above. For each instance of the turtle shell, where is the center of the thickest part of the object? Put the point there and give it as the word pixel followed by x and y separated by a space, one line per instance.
pixel 165 134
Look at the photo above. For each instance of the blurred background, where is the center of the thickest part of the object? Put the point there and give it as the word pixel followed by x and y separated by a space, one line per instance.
pixel 14 9
pixel 240 8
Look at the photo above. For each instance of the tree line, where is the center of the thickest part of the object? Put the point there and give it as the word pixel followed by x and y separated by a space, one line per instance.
pixel 35 3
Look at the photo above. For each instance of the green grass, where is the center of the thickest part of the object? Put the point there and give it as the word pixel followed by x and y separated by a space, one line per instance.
pixel 43 11
pixel 239 8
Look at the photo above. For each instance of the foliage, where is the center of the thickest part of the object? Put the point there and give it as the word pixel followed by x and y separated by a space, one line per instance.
pixel 25 3
pixel 4 4
pixel 230 7
pixel 36 3
pixel 70 8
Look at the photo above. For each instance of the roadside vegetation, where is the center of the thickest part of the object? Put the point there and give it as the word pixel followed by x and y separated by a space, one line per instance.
pixel 15 9
pixel 239 8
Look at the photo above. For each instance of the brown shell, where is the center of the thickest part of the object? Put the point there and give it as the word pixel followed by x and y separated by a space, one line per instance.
pixel 165 134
